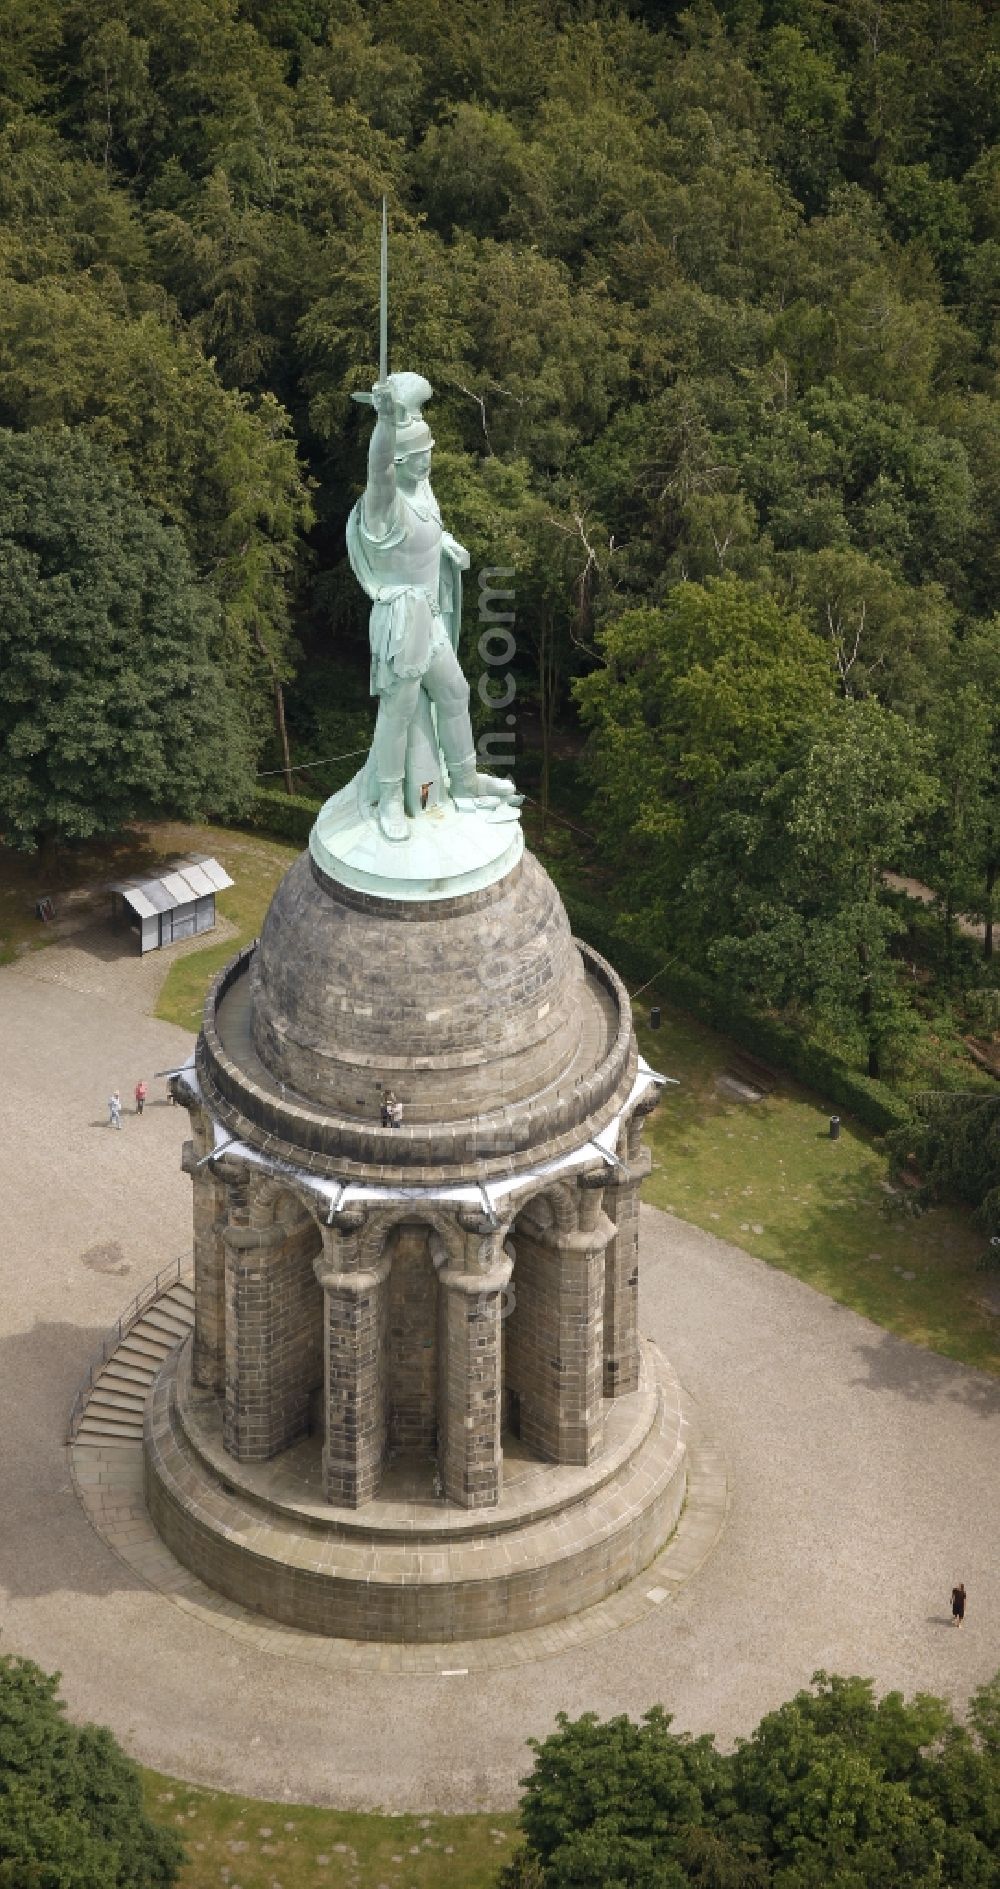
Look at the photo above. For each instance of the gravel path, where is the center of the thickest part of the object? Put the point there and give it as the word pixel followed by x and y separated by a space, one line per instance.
pixel 865 1475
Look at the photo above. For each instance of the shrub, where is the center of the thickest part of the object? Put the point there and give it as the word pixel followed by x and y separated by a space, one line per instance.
pixel 282 816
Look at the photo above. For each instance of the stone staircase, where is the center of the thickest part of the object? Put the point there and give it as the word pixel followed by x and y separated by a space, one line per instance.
pixel 113 1410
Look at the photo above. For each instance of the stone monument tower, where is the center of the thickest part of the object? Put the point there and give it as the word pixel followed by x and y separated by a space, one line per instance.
pixel 416 1405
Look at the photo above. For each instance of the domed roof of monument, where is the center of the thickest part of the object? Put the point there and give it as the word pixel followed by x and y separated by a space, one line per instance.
pixel 458 1006
pixel 499 1033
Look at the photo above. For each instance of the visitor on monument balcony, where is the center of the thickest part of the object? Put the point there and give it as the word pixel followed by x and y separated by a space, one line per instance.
pixel 392 1111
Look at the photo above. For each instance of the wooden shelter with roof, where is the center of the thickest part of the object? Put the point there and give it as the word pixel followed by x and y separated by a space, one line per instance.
pixel 178 903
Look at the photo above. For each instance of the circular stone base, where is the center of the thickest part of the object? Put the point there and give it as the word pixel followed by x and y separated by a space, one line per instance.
pixel 406 1568
pixel 452 849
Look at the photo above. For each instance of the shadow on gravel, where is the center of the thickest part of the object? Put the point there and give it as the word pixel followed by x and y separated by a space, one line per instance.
pixel 47 1545
pixel 925 1377
pixel 102 940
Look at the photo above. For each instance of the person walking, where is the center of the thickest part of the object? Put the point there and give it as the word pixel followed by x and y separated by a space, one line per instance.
pixel 114 1109
pixel 140 1096
pixel 958 1603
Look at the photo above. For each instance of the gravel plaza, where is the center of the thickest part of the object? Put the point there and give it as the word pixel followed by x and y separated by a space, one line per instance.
pixel 864 1478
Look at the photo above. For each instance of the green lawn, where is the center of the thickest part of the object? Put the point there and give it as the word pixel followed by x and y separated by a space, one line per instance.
pixel 244 1844
pixel 256 865
pixel 767 1176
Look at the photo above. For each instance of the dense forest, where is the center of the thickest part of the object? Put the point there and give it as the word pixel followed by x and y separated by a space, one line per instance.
pixel 710 299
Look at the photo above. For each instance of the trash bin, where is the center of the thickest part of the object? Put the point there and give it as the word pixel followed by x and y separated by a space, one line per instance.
pixel 654 1016
pixel 835 1128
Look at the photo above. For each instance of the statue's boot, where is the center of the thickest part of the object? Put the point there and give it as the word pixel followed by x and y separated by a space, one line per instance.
pixel 468 784
pixel 391 813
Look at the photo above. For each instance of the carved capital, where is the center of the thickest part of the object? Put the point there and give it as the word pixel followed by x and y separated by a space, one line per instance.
pixel 340 1259
pixel 357 1283
pixel 581 1240
pixel 478 1284
pixel 346 1221
pixel 247 1239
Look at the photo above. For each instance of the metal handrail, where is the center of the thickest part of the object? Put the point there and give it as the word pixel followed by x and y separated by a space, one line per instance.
pixel 168 1276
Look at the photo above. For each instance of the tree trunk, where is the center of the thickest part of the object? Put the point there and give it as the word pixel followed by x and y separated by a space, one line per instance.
pixel 991 879
pixel 279 716
pixel 279 710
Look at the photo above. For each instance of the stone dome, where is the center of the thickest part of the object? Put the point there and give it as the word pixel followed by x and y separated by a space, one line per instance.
pixel 495 1028
pixel 466 1003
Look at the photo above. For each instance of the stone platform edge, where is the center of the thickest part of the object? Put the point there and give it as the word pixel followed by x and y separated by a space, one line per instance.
pixel 109 1483
pixel 408 1592
pixel 554 1489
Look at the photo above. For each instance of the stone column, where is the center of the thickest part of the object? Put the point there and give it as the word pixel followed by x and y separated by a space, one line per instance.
pixel 621 1277
pixel 557 1350
pixel 273 1328
pixel 472 1280
pixel 354 1325
pixel 209 1349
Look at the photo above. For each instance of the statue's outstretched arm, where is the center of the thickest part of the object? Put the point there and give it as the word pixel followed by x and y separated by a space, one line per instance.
pixel 380 492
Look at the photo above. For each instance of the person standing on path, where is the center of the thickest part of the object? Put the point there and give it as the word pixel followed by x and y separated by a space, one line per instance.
pixel 114 1109
pixel 140 1096
pixel 958 1603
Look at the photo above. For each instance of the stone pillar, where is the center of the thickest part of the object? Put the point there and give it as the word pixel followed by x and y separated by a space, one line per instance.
pixel 208 1364
pixel 621 1277
pixel 355 1303
pixel 471 1303
pixel 555 1361
pixel 273 1321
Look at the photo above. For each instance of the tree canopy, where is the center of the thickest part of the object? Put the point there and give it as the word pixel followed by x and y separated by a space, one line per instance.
pixel 708 295
pixel 834 1790
pixel 115 700
pixel 71 1814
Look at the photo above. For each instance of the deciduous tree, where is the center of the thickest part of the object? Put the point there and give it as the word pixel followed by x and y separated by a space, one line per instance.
pixel 114 696
pixel 71 1809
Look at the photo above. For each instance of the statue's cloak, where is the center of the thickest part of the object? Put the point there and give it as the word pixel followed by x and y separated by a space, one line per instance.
pixel 389 620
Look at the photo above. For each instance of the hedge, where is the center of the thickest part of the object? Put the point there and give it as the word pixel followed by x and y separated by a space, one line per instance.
pixel 283 816
pixel 873 1103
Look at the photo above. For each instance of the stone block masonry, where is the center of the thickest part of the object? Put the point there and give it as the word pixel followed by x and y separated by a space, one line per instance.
pixel 372 1305
pixel 274 1355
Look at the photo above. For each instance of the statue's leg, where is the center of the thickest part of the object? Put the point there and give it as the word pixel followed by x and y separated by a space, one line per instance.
pixel 449 691
pixel 395 712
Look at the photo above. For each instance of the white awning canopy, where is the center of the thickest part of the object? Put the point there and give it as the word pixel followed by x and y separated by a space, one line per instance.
pixel 184 881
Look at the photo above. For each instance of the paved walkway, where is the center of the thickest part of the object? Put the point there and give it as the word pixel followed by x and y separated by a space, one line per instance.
pixel 865 1480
